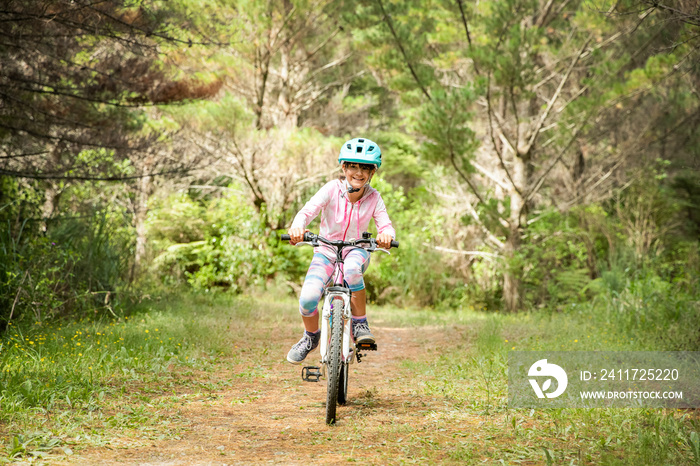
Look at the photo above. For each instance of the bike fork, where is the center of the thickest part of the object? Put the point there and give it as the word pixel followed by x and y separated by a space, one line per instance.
pixel 326 326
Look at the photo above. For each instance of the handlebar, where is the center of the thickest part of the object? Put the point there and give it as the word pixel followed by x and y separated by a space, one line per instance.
pixel 308 237
pixel 314 239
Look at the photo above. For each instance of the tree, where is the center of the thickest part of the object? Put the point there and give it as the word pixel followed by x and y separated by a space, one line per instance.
pixel 282 68
pixel 74 76
pixel 287 57
pixel 79 83
pixel 513 93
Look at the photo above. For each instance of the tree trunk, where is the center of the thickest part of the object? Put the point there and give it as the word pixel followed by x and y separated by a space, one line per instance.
pixel 52 191
pixel 145 186
pixel 517 221
pixel 52 194
pixel 511 281
pixel 289 117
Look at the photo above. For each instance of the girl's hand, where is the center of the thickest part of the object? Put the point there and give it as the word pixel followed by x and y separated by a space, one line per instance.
pixel 384 240
pixel 296 235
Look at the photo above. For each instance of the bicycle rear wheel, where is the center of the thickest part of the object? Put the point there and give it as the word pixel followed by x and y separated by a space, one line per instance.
pixel 343 384
pixel 334 361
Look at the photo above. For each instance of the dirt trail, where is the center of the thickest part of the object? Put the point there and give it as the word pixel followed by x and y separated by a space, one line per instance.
pixel 278 418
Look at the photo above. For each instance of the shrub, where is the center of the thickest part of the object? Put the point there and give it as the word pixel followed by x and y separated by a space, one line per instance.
pixel 217 242
pixel 648 308
pixel 76 266
pixel 557 260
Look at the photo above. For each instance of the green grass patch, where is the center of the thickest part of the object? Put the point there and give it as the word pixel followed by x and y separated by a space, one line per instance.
pixel 78 383
pixel 470 374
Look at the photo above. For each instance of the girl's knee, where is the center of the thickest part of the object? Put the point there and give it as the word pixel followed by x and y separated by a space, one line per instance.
pixel 308 305
pixel 355 280
pixel 308 313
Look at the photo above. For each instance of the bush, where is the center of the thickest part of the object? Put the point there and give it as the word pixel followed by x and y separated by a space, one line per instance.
pixel 76 266
pixel 217 243
pixel 557 259
pixel 638 235
pixel 414 275
pixel 648 308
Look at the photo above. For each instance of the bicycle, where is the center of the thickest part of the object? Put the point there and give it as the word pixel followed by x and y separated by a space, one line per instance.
pixel 337 346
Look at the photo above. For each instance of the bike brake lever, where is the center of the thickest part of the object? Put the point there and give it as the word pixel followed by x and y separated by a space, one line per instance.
pixel 374 247
pixel 363 244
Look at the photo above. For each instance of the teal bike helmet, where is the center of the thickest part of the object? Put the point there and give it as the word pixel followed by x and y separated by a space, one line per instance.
pixel 361 150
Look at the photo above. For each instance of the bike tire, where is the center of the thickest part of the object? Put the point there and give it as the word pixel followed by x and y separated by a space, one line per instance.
pixel 334 361
pixel 343 385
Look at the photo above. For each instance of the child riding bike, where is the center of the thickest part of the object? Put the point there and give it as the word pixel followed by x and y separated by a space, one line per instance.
pixel 346 206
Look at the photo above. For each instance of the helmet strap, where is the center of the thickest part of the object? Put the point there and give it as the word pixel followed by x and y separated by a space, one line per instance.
pixel 351 189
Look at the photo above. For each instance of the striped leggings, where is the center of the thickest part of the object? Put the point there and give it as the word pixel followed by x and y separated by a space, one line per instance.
pixel 321 272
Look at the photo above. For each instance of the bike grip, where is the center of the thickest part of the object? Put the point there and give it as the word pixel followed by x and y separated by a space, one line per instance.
pixel 394 244
pixel 285 237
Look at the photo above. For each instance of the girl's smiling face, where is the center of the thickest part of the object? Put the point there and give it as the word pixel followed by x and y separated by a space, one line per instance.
pixel 358 174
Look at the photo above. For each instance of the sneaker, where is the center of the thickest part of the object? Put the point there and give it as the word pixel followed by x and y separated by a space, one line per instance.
pixel 302 349
pixel 361 332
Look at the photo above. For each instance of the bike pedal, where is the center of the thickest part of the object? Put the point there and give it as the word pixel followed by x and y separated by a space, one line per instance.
pixel 367 346
pixel 310 373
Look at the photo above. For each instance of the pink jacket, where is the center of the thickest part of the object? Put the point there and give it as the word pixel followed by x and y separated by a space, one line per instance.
pixel 341 219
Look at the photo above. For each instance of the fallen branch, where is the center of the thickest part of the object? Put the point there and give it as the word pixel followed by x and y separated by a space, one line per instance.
pixel 486 255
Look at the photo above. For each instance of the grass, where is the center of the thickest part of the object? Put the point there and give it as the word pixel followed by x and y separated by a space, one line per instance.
pixel 93 384
pixel 79 383
pixel 472 375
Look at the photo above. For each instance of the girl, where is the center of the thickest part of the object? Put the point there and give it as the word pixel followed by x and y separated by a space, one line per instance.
pixel 346 207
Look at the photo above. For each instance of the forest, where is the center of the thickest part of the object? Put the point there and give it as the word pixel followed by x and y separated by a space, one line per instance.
pixel 537 154
pixel 541 157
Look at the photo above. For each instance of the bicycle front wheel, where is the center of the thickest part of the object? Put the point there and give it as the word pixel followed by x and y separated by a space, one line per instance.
pixel 334 361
